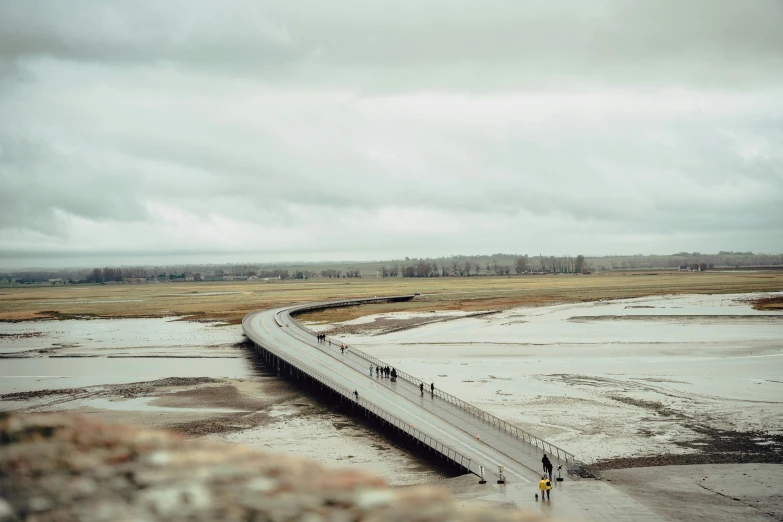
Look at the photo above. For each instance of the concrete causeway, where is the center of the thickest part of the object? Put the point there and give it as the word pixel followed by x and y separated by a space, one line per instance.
pixel 449 429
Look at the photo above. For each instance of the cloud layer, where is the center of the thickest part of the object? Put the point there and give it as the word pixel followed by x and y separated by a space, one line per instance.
pixel 367 130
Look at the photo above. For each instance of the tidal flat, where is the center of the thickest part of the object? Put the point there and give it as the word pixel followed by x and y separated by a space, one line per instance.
pixel 628 382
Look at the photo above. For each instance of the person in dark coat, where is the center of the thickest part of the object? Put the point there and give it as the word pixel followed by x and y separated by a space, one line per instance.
pixel 421 388
pixel 547 466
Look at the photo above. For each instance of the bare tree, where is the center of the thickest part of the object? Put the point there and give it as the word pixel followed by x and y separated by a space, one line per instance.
pixel 521 265
pixel 579 264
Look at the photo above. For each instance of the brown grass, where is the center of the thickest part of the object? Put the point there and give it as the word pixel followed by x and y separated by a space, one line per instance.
pixel 448 293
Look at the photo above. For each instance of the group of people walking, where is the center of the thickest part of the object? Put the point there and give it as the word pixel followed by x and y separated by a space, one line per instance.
pixel 386 371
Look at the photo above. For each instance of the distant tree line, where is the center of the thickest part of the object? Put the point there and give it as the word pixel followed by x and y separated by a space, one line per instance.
pixel 467 267
pixel 454 266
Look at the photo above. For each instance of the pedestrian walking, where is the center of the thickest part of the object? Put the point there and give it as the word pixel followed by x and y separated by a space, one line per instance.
pixel 545 486
pixel 547 466
pixel 377 371
pixel 432 388
pixel 371 370
pixel 356 394
pixel 421 388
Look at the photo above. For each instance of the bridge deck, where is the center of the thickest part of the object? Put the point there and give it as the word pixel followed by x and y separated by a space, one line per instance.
pixel 485 434
pixel 440 420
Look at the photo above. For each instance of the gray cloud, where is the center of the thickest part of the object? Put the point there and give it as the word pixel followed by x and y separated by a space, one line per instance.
pixel 347 129
pixel 501 44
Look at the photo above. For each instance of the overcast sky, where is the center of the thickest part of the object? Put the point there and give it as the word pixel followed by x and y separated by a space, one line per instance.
pixel 191 131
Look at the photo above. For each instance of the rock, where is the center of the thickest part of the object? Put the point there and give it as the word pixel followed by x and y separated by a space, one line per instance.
pixel 65 467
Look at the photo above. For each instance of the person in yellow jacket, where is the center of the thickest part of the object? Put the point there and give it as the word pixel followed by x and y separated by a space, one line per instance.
pixel 545 486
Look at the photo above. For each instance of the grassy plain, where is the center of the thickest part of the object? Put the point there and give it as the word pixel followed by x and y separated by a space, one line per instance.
pixel 230 301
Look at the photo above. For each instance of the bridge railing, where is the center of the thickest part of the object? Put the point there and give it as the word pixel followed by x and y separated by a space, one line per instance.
pixel 560 454
pixel 435 444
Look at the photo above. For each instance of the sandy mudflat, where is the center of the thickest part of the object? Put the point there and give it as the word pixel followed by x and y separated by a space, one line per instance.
pixel 619 389
pixel 192 377
pixel 704 493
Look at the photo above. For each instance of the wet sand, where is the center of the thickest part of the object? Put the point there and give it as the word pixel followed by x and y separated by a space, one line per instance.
pixel 747 492
pixel 619 392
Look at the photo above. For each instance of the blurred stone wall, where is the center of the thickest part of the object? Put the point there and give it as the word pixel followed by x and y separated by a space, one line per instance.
pixel 62 467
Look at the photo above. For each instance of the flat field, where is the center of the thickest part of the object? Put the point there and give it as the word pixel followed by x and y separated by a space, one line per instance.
pixel 230 301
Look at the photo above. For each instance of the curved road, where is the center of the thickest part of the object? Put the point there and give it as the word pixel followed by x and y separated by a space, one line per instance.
pixel 484 444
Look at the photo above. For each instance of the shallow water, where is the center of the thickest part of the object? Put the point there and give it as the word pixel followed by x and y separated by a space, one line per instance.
pixel 77 353
pixel 139 404
pixel 108 334
pixel 27 374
